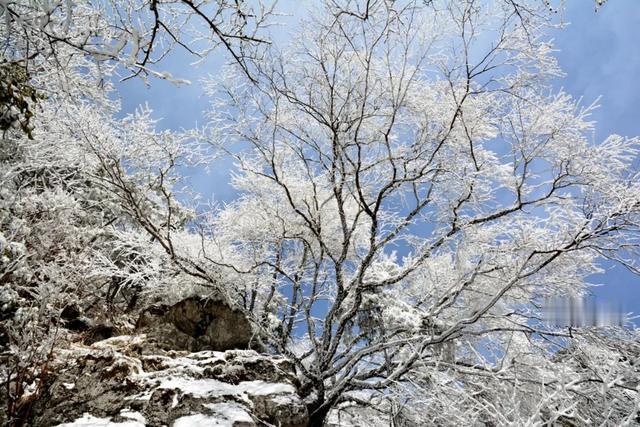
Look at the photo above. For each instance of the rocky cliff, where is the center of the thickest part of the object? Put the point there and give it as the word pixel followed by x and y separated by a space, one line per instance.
pixel 140 380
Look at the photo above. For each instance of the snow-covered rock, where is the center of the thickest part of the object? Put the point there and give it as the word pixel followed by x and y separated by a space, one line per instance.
pixel 117 382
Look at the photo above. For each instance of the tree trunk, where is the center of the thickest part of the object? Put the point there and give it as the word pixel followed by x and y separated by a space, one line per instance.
pixel 319 408
pixel 318 414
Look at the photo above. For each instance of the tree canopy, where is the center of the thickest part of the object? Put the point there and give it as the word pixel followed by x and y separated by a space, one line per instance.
pixel 411 190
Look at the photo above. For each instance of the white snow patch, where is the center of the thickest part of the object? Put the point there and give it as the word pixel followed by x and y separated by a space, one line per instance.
pixel 210 387
pixel 69 386
pixel 233 412
pixel 175 401
pixel 199 388
pixel 133 415
pixel 189 364
pixel 284 399
pixel 261 388
pixel 200 420
pixel 88 420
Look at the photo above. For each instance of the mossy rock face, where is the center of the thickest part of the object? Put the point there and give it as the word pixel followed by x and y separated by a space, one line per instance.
pixel 196 324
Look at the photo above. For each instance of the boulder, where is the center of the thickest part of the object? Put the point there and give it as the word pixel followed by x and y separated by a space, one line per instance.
pixel 196 324
pixel 117 381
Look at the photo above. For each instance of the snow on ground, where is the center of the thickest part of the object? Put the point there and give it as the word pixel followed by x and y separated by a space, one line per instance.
pixel 200 420
pixel 199 388
pixel 231 410
pixel 212 388
pixel 137 416
pixel 261 388
pixel 224 415
pixel 88 420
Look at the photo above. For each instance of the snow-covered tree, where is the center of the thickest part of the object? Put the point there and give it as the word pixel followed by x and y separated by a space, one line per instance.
pixel 412 191
pixel 135 34
pixel 75 184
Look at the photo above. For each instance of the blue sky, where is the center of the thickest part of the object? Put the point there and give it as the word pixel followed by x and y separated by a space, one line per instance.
pixel 600 53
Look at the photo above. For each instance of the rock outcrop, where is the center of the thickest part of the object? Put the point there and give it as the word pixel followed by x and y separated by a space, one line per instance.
pixel 116 382
pixel 184 365
pixel 197 324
